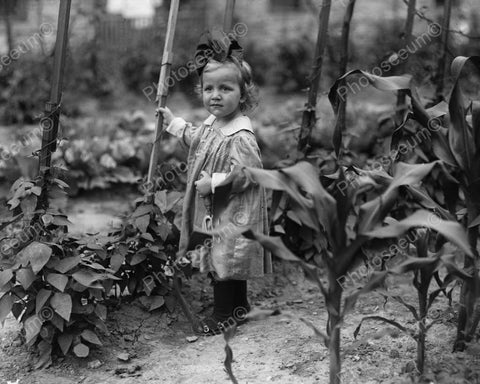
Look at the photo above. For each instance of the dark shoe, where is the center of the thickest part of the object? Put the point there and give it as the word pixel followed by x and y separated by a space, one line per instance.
pixel 212 327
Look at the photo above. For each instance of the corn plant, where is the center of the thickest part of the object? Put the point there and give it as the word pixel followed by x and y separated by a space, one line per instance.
pixel 425 267
pixel 457 145
pixel 328 215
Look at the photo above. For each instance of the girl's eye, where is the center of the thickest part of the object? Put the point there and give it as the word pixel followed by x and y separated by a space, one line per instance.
pixel 206 89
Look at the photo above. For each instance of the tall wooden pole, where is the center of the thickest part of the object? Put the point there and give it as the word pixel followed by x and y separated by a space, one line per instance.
pixel 443 65
pixel 51 117
pixel 7 11
pixel 408 38
pixel 342 112
pixel 309 117
pixel 163 86
pixel 228 19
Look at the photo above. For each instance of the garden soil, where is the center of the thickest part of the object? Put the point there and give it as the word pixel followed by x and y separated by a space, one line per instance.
pixel 158 347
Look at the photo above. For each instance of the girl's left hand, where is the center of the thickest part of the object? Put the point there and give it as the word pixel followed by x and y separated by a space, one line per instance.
pixel 204 184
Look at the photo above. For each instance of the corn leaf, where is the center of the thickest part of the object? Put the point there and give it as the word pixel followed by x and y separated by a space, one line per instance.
pixel 460 136
pixel 385 320
pixel 453 231
pixel 392 83
pixel 374 211
pixel 318 333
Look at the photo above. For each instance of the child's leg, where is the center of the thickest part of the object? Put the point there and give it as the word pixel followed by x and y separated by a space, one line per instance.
pixel 241 305
pixel 223 299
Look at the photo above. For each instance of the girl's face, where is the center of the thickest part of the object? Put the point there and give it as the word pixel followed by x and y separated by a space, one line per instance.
pixel 221 92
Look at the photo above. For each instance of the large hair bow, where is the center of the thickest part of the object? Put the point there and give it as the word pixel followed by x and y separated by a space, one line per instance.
pixel 217 45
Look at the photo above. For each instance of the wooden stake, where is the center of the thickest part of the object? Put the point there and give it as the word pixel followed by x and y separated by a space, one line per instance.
pixel 342 112
pixel 163 86
pixel 51 117
pixel 309 118
pixel 444 64
pixel 228 19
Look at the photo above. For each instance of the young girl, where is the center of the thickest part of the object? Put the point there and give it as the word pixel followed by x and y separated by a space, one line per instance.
pixel 224 140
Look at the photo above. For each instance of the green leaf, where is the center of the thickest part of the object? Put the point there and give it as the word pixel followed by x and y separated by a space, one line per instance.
pixel 138 258
pixel 376 280
pixel 156 302
pixel 275 245
pixel 460 136
pixel 5 277
pixel 58 322
pixel 374 211
pixel 87 278
pixel 36 191
pixel 32 327
pixel 65 341
pixel 147 236
pixel 41 299
pixel 116 261
pixel 81 350
pixel 61 220
pixel 318 333
pixel 91 337
pixel 38 254
pixel 143 210
pixel 161 200
pixel 29 204
pixel 474 223
pixel 142 223
pixel 6 304
pixel 388 321
pixel 453 231
pixel 392 83
pixel 101 311
pixel 25 276
pixel 58 281
pixel 62 304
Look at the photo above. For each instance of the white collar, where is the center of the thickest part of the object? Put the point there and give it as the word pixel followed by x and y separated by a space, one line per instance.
pixel 234 126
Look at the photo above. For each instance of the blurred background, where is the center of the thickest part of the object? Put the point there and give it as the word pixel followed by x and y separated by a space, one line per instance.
pixel 113 63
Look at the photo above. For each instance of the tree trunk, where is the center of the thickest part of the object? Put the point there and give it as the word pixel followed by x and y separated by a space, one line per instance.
pixel 309 118
pixel 342 112
pixel 401 98
pixel 444 63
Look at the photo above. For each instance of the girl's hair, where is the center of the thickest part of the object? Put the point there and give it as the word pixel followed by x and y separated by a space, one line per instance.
pixel 248 89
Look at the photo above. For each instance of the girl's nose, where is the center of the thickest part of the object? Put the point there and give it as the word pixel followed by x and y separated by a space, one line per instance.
pixel 216 94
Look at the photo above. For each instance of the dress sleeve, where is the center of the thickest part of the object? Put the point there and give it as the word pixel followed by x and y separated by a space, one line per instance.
pixel 178 127
pixel 244 153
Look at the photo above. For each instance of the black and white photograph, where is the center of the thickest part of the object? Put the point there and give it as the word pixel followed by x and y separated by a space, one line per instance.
pixel 239 191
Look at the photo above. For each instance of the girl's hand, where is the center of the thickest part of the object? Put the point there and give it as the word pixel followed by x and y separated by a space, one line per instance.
pixel 168 116
pixel 204 184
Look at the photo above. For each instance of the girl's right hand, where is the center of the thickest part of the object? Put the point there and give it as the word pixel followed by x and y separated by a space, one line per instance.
pixel 168 116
